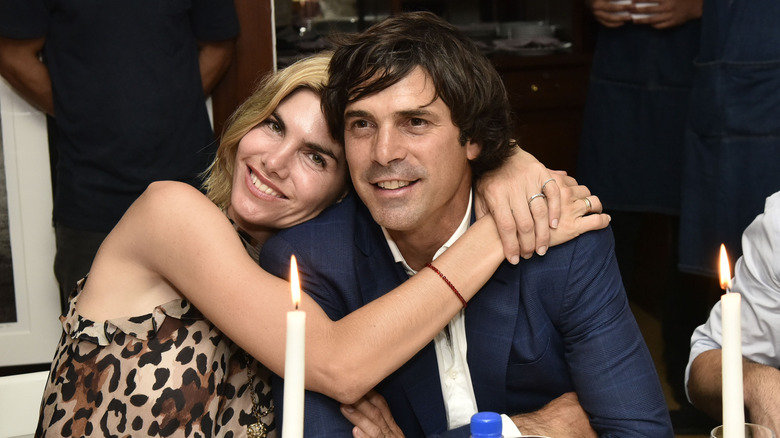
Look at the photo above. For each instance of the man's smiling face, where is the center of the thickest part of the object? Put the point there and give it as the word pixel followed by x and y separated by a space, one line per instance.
pixel 405 159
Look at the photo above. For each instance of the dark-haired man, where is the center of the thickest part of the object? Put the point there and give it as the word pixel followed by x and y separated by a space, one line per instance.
pixel 550 341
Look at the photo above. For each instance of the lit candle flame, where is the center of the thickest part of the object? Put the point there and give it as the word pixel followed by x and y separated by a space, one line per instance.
pixel 725 270
pixel 295 284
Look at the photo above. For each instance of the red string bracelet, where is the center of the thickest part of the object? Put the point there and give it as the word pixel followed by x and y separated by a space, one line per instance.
pixel 446 280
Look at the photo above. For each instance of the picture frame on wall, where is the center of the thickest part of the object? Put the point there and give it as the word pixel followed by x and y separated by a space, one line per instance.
pixel 31 328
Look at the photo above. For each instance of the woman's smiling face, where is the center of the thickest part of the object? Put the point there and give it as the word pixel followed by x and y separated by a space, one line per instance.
pixel 288 168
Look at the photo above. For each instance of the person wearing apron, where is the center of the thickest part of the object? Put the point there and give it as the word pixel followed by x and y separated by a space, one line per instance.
pixel 732 141
pixel 631 154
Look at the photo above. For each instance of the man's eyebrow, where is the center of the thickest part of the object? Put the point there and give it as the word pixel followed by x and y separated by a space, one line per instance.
pixel 415 112
pixel 355 113
pixel 404 113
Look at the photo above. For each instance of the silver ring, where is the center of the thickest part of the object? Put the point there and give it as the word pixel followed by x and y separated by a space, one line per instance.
pixel 545 183
pixel 538 195
pixel 588 205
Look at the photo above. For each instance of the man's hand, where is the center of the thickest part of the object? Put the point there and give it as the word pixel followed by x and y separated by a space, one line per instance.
pixel 523 217
pixel 668 13
pixel 562 417
pixel 610 14
pixel 371 417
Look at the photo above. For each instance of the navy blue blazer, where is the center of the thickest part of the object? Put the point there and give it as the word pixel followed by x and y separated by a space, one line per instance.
pixel 547 326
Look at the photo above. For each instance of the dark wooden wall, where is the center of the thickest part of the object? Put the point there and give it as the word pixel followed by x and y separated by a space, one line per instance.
pixel 254 57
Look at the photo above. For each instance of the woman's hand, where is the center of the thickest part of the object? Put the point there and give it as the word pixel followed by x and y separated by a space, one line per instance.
pixel 512 194
pixel 580 213
pixel 534 207
pixel 371 417
pixel 529 203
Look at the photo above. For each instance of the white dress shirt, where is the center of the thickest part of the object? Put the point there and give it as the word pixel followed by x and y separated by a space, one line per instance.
pixel 460 403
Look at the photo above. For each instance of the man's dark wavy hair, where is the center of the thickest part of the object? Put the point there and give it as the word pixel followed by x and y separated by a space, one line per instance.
pixel 369 62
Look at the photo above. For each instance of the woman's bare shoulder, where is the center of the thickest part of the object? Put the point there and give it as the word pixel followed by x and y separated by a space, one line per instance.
pixel 174 200
pixel 151 244
pixel 172 191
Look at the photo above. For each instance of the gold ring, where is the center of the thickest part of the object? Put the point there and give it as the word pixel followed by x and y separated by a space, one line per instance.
pixel 588 205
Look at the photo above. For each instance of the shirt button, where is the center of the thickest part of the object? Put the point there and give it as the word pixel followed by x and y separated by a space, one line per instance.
pixel 453 374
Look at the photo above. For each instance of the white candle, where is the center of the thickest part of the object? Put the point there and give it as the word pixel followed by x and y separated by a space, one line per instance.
pixel 292 421
pixel 733 403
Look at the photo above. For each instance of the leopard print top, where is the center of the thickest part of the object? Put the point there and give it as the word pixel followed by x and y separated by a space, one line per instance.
pixel 169 373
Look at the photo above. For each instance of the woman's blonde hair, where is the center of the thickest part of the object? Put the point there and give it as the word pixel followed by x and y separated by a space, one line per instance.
pixel 310 73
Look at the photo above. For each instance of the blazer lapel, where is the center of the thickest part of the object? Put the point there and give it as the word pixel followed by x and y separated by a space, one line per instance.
pixel 491 318
pixel 420 381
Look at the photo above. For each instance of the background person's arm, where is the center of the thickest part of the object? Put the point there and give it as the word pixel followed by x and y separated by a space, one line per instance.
pixel 761 384
pixel 214 59
pixel 762 394
pixel 704 384
pixel 23 69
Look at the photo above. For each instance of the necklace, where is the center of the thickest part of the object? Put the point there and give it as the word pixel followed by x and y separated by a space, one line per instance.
pixel 258 429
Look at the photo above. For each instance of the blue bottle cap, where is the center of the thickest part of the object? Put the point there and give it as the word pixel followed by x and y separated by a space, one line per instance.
pixel 486 424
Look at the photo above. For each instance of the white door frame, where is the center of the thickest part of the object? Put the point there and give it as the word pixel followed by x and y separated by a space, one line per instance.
pixel 33 338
